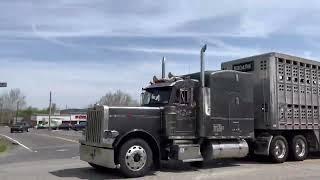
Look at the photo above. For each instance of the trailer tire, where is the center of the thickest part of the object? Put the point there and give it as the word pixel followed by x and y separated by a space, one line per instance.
pixel 299 148
pixel 278 151
pixel 135 158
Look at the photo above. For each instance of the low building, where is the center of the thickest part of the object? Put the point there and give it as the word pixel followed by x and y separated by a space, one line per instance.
pixel 73 111
pixel 56 120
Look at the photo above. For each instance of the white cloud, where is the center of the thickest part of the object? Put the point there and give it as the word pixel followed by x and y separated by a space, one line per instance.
pixel 77 84
pixel 228 51
pixel 150 18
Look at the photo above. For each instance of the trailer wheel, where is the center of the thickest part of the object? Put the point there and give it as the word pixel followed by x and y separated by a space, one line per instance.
pixel 135 158
pixel 278 149
pixel 299 148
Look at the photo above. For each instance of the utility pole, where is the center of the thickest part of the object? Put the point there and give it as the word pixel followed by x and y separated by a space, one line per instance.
pixel 17 112
pixel 50 111
pixel 1 110
pixel 2 84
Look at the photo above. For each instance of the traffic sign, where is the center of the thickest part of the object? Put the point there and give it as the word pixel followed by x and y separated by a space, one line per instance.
pixel 3 84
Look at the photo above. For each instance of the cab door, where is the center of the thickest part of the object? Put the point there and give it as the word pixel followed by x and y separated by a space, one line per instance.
pixel 185 110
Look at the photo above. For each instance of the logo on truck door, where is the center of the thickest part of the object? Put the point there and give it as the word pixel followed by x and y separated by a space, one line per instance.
pixel 244 67
pixel 217 128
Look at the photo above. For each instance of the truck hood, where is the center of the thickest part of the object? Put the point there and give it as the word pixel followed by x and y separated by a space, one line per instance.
pixel 124 119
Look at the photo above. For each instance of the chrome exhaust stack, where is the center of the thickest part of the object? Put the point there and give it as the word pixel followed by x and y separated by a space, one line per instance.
pixel 163 67
pixel 202 93
pixel 202 64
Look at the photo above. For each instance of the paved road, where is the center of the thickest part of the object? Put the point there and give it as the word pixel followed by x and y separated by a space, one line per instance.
pixel 41 145
pixel 54 155
pixel 74 169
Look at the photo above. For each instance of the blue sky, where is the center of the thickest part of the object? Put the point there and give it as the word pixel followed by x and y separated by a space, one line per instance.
pixel 81 49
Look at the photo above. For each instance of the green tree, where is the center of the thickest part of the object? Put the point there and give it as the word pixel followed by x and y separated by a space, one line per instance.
pixel 9 102
pixel 117 98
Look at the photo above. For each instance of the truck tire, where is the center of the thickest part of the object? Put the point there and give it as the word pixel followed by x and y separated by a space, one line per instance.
pixel 278 151
pixel 135 158
pixel 299 148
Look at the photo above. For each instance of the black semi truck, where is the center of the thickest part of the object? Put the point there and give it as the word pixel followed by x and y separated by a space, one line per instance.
pixel 267 105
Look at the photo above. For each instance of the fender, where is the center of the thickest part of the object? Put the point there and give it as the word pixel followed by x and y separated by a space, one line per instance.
pixel 140 133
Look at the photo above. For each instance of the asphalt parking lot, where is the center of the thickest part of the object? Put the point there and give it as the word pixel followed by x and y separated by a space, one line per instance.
pixel 55 155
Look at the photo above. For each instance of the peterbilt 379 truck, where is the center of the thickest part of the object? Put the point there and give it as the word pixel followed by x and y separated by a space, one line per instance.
pixel 267 105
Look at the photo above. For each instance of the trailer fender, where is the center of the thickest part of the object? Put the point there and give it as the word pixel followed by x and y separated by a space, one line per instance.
pixel 262 145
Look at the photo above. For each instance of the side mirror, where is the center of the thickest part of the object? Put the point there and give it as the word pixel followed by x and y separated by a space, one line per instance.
pixel 141 98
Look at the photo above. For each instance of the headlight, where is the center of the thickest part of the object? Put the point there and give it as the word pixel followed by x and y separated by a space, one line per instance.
pixel 110 134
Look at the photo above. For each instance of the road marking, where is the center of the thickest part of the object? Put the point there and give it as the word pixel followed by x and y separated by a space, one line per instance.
pixel 17 142
pixel 62 150
pixel 65 139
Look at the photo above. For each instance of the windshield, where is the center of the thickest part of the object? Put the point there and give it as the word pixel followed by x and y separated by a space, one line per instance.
pixel 157 96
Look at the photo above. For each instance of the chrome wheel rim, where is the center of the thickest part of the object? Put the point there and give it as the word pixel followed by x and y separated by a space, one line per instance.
pixel 300 147
pixel 280 149
pixel 136 158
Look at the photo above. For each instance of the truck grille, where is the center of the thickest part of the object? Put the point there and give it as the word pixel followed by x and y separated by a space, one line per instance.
pixel 94 126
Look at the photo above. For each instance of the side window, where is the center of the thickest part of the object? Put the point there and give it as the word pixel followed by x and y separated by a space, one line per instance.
pixel 184 99
pixel 182 96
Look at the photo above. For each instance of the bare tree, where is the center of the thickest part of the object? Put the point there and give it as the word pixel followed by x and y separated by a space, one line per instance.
pixel 9 103
pixel 117 98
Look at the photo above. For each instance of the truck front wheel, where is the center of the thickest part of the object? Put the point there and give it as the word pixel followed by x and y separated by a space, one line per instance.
pixel 299 148
pixel 278 149
pixel 135 158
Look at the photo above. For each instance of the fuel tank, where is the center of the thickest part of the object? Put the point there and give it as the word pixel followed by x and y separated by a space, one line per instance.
pixel 225 149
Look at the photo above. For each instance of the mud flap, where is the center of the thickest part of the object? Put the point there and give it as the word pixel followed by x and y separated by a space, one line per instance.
pixel 262 145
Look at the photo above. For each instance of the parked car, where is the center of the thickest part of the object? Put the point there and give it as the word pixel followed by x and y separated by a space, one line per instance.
pixel 19 127
pixel 45 125
pixel 79 127
pixel 65 126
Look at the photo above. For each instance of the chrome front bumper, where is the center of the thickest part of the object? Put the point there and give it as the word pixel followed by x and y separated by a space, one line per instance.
pixel 97 155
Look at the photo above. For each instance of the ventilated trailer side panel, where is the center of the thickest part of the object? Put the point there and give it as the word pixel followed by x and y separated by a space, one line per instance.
pixel 297 90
